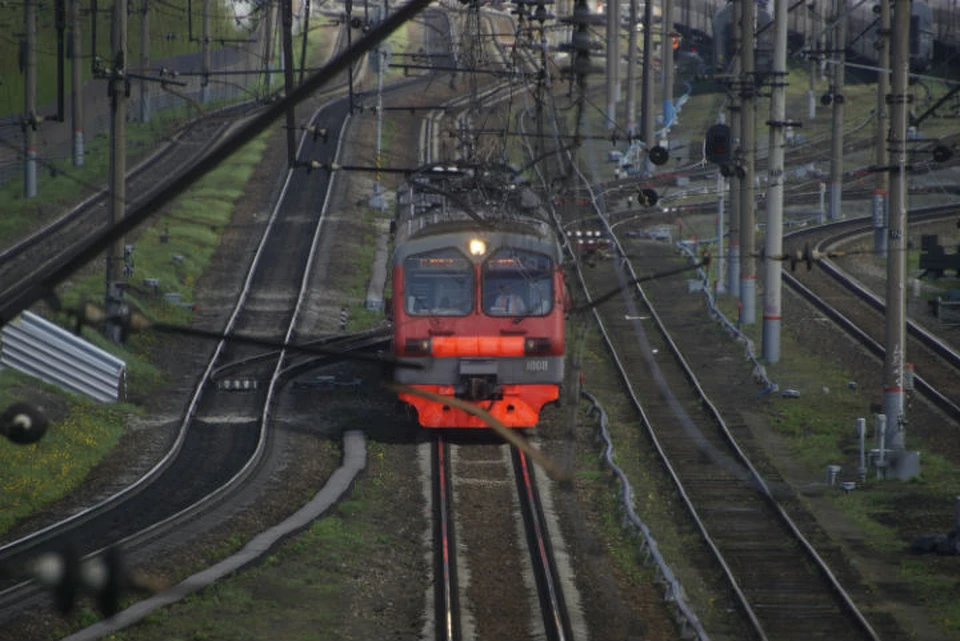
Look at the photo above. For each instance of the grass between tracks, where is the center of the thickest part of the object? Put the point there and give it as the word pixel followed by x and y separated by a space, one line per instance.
pixel 269 601
pixel 175 249
pixel 676 539
pixel 819 430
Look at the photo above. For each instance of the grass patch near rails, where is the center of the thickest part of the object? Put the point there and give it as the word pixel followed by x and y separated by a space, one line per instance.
pixel 820 429
pixel 268 600
pixel 81 432
pixel 654 496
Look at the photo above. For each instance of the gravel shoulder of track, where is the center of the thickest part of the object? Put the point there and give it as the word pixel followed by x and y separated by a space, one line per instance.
pixel 871 575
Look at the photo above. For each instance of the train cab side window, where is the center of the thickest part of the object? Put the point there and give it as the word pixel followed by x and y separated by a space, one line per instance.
pixel 438 283
pixel 517 283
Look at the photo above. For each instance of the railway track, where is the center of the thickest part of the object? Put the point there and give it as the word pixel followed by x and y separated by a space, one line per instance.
pixel 521 595
pixel 223 437
pixel 783 588
pixel 860 312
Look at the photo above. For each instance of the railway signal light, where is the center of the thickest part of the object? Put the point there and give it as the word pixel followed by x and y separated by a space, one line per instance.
pixel 658 155
pixel 647 197
pixel 942 153
pixel 717 145
pixel 23 423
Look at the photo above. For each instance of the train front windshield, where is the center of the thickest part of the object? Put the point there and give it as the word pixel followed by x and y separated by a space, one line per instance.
pixel 517 283
pixel 438 283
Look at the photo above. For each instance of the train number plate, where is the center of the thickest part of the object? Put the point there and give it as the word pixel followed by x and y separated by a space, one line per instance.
pixel 538 365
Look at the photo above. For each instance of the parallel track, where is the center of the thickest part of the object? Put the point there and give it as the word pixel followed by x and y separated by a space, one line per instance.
pixel 861 312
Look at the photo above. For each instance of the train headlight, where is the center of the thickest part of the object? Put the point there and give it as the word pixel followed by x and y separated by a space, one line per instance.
pixel 477 247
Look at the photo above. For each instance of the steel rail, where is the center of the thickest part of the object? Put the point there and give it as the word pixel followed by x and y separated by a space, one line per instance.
pixel 553 608
pixel 446 603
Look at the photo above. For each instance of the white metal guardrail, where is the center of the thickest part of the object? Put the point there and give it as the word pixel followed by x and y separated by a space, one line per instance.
pixel 35 346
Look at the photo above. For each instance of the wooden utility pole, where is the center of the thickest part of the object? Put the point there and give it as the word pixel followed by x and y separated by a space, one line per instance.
pixel 76 85
pixel 29 123
pixel 748 86
pixel 117 92
pixel 144 61
pixel 880 205
pixel 286 6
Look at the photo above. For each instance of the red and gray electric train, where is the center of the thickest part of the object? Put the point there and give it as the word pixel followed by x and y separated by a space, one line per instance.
pixel 481 309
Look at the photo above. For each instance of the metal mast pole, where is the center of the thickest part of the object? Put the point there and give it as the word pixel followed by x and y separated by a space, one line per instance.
pixel 268 46
pixel 748 264
pixel 348 8
pixel 632 71
pixel 836 149
pixel 286 6
pixel 205 47
pixel 377 200
pixel 29 123
pixel 666 49
pixel 895 341
pixel 733 264
pixel 117 91
pixel 774 238
pixel 144 61
pixel 613 55
pixel 814 18
pixel 721 197
pixel 76 86
pixel 649 117
pixel 883 158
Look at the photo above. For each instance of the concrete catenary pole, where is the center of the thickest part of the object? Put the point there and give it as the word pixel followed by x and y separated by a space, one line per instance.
pixel 613 57
pixel 647 85
pixel 205 48
pixel 835 211
pixel 880 205
pixel 286 7
pixel 666 49
pixel 117 91
pixel 30 100
pixel 748 85
pixel 721 197
pixel 774 237
pixel 144 61
pixel 733 263
pixel 632 70
pixel 76 86
pixel 813 19
pixel 895 340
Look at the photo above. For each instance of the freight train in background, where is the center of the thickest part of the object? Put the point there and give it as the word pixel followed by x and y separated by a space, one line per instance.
pixel 478 297
pixel 934 30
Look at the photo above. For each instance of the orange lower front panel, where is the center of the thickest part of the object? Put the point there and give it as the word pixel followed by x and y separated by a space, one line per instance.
pixel 520 406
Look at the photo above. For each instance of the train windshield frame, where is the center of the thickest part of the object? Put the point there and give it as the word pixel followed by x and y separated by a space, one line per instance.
pixel 517 282
pixel 438 283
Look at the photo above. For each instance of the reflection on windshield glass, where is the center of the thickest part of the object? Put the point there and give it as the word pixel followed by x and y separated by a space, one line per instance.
pixel 438 283
pixel 517 283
